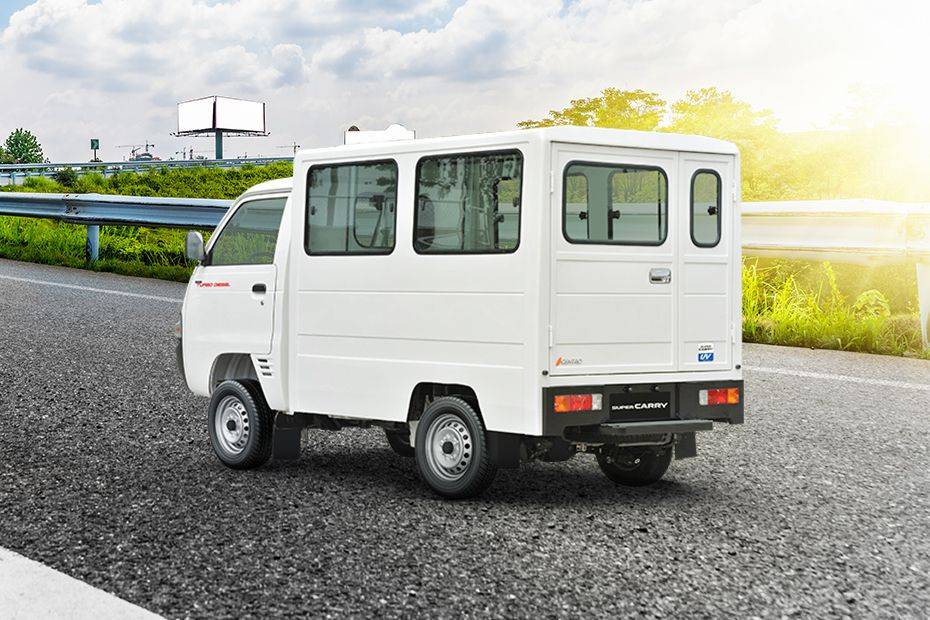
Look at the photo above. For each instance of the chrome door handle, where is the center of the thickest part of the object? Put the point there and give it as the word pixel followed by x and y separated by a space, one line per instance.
pixel 660 275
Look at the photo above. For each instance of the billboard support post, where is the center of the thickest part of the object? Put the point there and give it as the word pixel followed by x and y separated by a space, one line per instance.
pixel 219 144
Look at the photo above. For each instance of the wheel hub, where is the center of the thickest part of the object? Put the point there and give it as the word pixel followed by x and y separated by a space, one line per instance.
pixel 449 449
pixel 232 425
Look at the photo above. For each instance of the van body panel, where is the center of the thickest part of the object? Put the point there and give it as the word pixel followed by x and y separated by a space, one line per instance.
pixel 366 330
pixel 352 336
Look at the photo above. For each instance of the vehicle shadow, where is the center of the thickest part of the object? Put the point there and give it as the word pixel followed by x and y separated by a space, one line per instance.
pixel 376 470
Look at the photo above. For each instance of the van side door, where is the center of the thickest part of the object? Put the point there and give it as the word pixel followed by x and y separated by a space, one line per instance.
pixel 229 307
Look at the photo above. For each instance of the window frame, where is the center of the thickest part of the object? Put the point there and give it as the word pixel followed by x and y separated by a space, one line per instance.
pixel 719 208
pixel 416 198
pixel 217 234
pixel 610 178
pixel 587 199
pixel 306 207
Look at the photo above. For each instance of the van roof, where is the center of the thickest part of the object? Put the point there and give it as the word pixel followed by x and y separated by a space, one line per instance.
pixel 595 136
pixel 575 135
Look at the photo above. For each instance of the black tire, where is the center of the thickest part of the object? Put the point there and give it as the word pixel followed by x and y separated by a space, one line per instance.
pixel 635 466
pixel 399 440
pixel 452 449
pixel 248 417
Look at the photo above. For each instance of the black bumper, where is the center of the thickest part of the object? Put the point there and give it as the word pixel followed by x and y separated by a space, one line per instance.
pixel 633 404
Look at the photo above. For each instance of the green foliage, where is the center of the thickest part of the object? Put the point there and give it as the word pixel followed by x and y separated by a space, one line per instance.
pixel 128 250
pixel 5 156
pixel 66 177
pixel 861 159
pixel 779 309
pixel 619 109
pixel 24 147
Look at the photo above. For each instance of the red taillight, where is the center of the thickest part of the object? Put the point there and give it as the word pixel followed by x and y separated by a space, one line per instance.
pixel 567 403
pixel 719 396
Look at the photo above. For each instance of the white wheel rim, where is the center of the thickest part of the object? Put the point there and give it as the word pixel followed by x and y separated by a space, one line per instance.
pixel 232 426
pixel 449 447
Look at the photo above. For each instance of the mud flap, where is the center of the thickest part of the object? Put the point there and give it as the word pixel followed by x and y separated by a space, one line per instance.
pixel 685 445
pixel 285 444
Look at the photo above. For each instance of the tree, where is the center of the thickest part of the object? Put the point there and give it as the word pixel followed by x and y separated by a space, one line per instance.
pixel 717 114
pixel 618 109
pixel 5 156
pixel 24 147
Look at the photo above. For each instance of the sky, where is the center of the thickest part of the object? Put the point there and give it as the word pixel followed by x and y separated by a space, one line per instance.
pixel 114 69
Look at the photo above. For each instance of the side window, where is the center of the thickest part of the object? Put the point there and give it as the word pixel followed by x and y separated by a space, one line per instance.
pixel 576 205
pixel 250 235
pixel 622 204
pixel 705 208
pixel 468 203
pixel 351 208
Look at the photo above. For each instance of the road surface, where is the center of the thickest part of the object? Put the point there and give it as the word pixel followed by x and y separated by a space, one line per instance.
pixel 819 505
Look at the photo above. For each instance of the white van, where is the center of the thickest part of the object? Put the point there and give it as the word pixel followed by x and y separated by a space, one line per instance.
pixel 485 299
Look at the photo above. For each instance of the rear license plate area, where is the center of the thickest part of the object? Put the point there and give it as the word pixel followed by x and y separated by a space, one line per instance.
pixel 640 406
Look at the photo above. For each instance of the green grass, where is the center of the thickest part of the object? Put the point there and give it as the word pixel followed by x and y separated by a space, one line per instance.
pixel 813 305
pixel 796 303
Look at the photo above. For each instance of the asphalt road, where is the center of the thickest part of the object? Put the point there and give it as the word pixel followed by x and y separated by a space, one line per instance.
pixel 819 505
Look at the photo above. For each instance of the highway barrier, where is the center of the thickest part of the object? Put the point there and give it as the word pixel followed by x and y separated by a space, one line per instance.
pixel 853 231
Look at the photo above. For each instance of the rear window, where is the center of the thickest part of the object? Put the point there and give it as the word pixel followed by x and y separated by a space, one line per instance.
pixel 615 204
pixel 705 208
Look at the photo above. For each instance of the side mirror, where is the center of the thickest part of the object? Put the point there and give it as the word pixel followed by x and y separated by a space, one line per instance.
pixel 193 246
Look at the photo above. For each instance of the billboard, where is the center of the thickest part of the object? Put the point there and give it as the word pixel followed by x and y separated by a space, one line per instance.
pixel 225 113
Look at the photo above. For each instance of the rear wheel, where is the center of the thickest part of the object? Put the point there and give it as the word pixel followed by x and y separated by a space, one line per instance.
pixel 451 449
pixel 636 466
pixel 399 441
pixel 241 424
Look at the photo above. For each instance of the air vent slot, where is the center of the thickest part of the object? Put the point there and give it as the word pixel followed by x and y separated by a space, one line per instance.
pixel 265 366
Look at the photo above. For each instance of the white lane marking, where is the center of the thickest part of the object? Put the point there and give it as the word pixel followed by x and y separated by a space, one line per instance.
pixel 91 289
pixel 846 378
pixel 29 589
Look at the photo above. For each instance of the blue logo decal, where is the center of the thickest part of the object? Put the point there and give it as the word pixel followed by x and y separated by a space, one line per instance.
pixel 706 357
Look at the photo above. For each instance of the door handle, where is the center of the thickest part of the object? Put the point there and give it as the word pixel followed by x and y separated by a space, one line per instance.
pixel 259 288
pixel 660 275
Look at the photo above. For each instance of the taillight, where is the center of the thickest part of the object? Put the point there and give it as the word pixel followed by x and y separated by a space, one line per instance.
pixel 719 396
pixel 567 403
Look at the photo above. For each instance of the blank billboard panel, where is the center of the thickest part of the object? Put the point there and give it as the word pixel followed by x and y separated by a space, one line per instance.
pixel 196 115
pixel 212 113
pixel 240 115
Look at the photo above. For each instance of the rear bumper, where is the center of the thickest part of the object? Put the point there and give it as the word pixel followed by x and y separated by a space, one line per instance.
pixel 629 409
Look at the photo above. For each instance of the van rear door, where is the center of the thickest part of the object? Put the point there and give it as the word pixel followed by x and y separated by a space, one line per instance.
pixel 708 261
pixel 614 257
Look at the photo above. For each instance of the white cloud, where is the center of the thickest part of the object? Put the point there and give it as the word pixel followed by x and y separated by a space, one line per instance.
pixel 114 68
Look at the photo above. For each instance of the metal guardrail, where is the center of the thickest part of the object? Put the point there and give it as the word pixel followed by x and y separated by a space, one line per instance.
pixel 94 210
pixel 12 174
pixel 856 231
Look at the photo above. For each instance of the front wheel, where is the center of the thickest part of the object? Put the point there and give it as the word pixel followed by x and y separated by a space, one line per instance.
pixel 241 424
pixel 635 466
pixel 452 450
